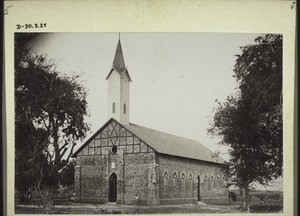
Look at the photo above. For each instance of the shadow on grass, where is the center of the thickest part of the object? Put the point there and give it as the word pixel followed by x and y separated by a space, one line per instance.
pixel 266 208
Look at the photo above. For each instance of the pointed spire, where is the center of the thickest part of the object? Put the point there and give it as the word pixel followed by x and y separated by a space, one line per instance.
pixel 119 63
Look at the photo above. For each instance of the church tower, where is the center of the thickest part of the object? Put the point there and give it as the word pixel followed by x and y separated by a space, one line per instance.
pixel 118 88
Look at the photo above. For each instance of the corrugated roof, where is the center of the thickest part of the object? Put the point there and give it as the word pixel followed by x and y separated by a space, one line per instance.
pixel 174 145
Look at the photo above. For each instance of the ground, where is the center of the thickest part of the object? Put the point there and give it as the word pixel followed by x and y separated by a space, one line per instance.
pixel 86 208
pixel 79 208
pixel 261 202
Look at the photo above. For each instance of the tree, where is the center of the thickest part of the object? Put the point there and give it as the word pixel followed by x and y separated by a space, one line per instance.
pixel 250 121
pixel 49 119
pixel 67 174
pixel 26 145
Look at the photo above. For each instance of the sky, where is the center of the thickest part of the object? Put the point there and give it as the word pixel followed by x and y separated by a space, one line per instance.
pixel 176 77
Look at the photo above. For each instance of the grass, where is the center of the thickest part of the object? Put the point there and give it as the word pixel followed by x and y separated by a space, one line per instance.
pixel 80 208
pixel 125 210
pixel 266 208
pixel 261 202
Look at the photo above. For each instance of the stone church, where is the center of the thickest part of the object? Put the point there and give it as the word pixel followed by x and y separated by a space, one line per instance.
pixel 128 164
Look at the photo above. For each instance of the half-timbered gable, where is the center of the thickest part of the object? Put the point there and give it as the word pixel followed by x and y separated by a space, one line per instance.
pixel 113 137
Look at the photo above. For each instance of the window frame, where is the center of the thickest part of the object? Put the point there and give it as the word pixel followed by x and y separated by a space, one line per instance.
pixel 113 107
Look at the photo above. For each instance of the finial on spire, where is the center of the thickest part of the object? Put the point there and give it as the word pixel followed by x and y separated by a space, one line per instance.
pixel 119 35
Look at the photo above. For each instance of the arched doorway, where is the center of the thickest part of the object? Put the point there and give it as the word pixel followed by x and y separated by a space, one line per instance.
pixel 198 188
pixel 112 196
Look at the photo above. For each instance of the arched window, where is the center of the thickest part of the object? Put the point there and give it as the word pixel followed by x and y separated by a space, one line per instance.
pixel 205 183
pixel 183 183
pixel 113 107
pixel 213 183
pixel 175 184
pixel 218 183
pixel 124 108
pixel 222 188
pixel 114 149
pixel 165 181
pixel 209 183
pixel 191 182
pixel 223 182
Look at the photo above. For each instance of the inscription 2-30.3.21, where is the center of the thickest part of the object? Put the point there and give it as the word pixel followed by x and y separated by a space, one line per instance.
pixel 30 26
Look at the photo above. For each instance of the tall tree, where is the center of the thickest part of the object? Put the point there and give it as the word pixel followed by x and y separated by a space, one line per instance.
pixel 250 121
pixel 49 119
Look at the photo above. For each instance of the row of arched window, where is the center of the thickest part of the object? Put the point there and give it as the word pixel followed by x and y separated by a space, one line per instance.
pixel 114 108
pixel 186 185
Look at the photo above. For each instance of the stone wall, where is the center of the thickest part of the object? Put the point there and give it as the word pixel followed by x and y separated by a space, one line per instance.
pixel 91 179
pixel 140 177
pixel 180 177
pixel 156 179
pixel 136 175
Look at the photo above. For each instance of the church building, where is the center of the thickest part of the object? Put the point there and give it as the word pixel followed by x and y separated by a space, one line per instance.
pixel 130 164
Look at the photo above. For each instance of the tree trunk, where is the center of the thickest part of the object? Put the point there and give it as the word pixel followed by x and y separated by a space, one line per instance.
pixel 47 194
pixel 245 199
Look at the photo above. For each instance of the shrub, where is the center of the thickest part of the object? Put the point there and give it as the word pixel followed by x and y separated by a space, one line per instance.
pixel 232 196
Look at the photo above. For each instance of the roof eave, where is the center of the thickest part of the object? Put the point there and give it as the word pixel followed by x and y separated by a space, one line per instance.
pixel 206 161
pixel 126 72
pixel 121 75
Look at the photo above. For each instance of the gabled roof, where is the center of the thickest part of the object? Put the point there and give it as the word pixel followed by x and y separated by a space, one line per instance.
pixel 165 143
pixel 119 63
